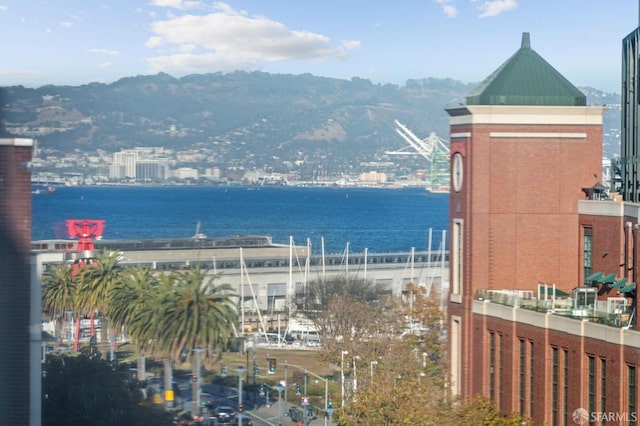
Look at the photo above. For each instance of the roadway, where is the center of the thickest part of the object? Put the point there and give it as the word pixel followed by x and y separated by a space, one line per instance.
pixel 264 410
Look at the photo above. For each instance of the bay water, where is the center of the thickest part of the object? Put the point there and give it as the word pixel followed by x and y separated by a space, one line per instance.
pixel 380 220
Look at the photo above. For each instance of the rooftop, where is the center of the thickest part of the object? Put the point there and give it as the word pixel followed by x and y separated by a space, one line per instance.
pixel 526 79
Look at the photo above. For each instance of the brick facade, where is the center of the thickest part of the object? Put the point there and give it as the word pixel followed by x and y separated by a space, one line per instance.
pixel 518 221
pixel 15 241
pixel 558 390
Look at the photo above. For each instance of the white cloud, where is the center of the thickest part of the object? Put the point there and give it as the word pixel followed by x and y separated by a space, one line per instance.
pixel 66 24
pixel 106 52
pixel 449 9
pixel 104 65
pixel 3 7
pixel 351 44
pixel 227 40
pixel 496 7
pixel 178 4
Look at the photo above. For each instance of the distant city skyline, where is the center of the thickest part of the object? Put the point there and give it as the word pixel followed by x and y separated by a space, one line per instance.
pixel 74 43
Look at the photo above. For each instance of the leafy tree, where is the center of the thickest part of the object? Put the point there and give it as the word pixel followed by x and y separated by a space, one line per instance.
pixel 404 380
pixel 421 321
pixel 83 391
pixel 337 305
pixel 313 297
pixel 481 411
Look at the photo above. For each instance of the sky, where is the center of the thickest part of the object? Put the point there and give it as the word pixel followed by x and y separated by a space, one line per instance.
pixel 75 42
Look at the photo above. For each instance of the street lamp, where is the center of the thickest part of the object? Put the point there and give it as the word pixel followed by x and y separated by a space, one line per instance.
pixel 342 373
pixel 374 362
pixel 355 376
pixel 280 389
pixel 286 384
pixel 240 370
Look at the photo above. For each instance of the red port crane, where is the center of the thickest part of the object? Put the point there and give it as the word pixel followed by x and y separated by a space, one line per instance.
pixel 85 230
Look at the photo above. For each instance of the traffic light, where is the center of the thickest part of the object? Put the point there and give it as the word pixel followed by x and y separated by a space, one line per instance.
pixel 223 371
pixel 194 378
pixel 272 365
pixel 330 401
pixel 298 392
pixel 256 371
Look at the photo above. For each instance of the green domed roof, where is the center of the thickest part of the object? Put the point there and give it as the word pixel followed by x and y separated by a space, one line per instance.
pixel 526 79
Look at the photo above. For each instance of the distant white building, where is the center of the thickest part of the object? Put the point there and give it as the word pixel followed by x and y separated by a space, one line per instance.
pixel 127 160
pixel 185 173
pixel 142 164
pixel 151 170
pixel 213 173
pixel 373 178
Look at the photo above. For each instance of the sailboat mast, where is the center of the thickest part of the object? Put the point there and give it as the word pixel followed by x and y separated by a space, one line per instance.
pixel 413 257
pixel 290 292
pixel 366 253
pixel 307 265
pixel 430 263
pixel 346 263
pixel 323 264
pixel 241 291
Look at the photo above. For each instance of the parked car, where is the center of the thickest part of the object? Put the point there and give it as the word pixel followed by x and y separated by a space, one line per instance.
pixel 295 414
pixel 313 343
pixel 223 413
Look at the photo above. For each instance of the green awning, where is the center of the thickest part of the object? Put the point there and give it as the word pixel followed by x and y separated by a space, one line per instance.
pixel 558 293
pixel 609 279
pixel 628 289
pixel 620 283
pixel 594 277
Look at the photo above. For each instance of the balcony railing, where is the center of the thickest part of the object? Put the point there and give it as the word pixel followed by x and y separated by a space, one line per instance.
pixel 614 312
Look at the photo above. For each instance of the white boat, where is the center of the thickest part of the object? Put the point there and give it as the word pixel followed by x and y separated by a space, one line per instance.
pixel 442 189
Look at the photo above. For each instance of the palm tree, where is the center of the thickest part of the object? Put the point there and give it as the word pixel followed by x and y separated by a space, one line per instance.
pixel 138 301
pixel 198 314
pixel 131 295
pixel 95 282
pixel 169 313
pixel 59 294
pixel 129 301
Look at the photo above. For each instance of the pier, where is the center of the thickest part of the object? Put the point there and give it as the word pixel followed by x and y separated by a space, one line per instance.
pixel 264 274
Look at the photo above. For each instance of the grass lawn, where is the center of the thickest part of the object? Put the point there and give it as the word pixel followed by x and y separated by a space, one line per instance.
pixel 297 362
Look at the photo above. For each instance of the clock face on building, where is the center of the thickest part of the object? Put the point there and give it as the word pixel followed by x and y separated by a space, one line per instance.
pixel 457 170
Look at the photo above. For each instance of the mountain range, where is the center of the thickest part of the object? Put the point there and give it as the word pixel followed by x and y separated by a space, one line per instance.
pixel 249 120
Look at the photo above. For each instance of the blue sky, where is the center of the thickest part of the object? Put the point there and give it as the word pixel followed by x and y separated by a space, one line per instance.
pixel 81 41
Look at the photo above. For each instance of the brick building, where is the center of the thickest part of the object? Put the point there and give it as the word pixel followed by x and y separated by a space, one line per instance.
pixel 542 295
pixel 20 391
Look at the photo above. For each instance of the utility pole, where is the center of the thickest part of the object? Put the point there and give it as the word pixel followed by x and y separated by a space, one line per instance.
pixel 195 386
pixel 240 406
